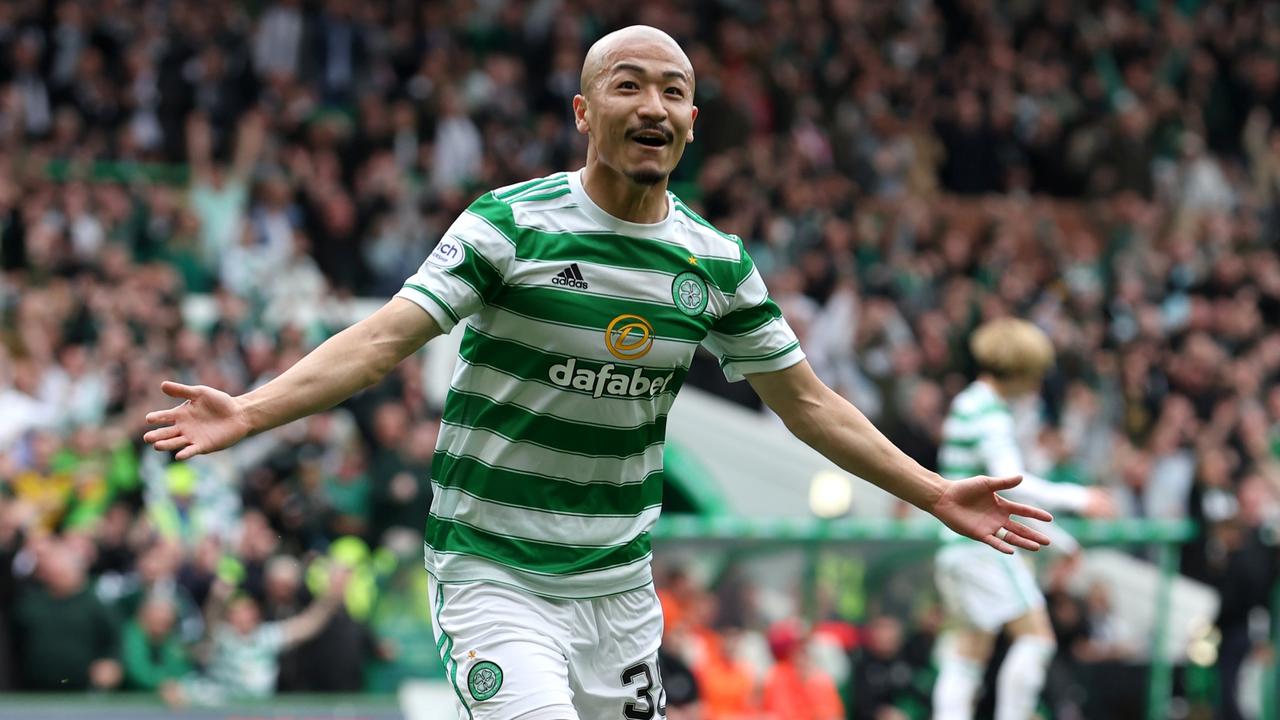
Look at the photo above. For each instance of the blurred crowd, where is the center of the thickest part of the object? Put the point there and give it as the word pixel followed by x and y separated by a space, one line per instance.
pixel 869 655
pixel 900 171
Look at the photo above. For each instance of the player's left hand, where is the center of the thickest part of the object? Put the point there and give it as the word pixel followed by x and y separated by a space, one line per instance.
pixel 972 508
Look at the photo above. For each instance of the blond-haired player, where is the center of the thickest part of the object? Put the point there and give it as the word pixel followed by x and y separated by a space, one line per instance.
pixel 985 592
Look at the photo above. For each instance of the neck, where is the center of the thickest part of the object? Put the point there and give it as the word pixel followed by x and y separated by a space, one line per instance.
pixel 622 197
pixel 1001 388
pixel 62 592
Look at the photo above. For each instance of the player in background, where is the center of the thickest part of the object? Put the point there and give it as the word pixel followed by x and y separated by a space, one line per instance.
pixel 984 592
pixel 586 294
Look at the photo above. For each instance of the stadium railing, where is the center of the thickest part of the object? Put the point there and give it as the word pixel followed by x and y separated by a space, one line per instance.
pixel 816 535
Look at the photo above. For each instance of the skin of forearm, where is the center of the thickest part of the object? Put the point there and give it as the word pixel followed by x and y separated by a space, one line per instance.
pixel 341 366
pixel 313 619
pixel 834 427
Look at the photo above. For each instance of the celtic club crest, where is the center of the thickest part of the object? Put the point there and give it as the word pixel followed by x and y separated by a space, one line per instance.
pixel 689 292
pixel 484 680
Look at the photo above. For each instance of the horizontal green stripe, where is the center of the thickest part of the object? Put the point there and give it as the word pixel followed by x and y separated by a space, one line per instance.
pixel 542 557
pixel 611 249
pixel 596 312
pixel 968 443
pixel 548 184
pixel 526 186
pixel 476 271
pixel 983 411
pixel 747 320
pixel 748 272
pixel 511 487
pixel 495 213
pixel 761 358
pixel 436 298
pixel 519 424
pixel 538 590
pixel 526 362
pixel 549 193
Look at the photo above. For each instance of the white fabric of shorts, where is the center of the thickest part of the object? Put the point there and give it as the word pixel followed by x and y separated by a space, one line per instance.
pixel 983 588
pixel 558 659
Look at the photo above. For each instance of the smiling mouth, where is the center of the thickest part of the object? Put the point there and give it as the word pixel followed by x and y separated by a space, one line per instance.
pixel 651 139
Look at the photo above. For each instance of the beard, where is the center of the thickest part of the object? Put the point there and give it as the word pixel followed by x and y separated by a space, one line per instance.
pixel 646 177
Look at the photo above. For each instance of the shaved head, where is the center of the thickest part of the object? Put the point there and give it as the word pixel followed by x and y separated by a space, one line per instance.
pixel 636 107
pixel 605 52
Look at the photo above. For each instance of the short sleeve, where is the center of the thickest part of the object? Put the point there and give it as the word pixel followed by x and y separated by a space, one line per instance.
pixel 466 269
pixel 752 336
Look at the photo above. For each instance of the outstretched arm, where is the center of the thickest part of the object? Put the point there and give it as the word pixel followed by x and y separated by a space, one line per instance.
pixel 200 148
pixel 346 363
pixel 306 624
pixel 251 134
pixel 1001 453
pixel 831 425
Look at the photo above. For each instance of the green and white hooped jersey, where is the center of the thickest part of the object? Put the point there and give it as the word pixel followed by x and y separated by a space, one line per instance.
pixel 548 472
pixel 977 416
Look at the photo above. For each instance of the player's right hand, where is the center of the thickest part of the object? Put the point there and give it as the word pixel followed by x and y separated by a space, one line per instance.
pixel 209 420
pixel 1099 505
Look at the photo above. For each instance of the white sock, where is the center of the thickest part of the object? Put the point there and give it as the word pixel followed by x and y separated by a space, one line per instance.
pixel 957 686
pixel 1021 677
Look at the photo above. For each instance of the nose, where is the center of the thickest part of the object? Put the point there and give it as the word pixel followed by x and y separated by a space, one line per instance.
pixel 651 107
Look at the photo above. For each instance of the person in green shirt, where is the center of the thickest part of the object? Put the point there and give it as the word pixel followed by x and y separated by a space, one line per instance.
pixel 67 638
pixel 151 648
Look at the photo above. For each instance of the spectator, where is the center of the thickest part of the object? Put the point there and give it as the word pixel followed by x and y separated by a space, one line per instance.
pixel 683 700
pixel 24 408
pixel 242 651
pixel 334 659
pixel 155 576
pixel 794 689
pixel 883 678
pixel 458 144
pixel 726 684
pixel 285 598
pixel 67 638
pixel 278 42
pixel 219 195
pixel 401 470
pixel 152 650
pixel 1245 577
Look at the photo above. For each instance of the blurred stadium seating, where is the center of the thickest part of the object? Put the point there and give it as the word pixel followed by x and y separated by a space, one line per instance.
pixel 206 189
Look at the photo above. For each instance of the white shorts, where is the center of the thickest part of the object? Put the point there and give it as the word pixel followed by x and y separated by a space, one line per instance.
pixel 512 655
pixel 983 588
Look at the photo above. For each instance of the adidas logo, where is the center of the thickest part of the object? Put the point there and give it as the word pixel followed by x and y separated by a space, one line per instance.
pixel 570 277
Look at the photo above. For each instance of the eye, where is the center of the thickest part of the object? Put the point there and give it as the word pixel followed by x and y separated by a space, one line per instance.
pixel 675 91
pixel 628 85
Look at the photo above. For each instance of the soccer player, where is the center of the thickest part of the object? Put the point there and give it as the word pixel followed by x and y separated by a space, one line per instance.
pixel 587 293
pixel 984 592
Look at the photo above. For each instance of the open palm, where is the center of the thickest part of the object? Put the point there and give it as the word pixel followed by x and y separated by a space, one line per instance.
pixel 973 508
pixel 208 420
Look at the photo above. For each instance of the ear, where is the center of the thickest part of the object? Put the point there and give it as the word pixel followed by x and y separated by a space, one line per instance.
pixel 580 114
pixel 692 118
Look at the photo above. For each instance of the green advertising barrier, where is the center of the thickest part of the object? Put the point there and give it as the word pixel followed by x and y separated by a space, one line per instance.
pixel 813 534
pixel 148 706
